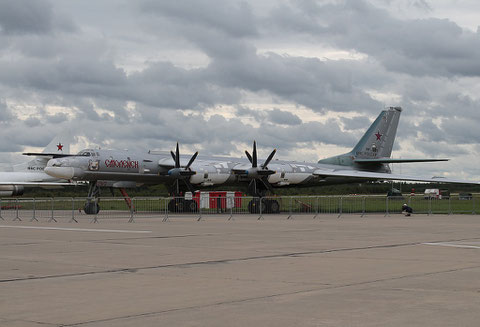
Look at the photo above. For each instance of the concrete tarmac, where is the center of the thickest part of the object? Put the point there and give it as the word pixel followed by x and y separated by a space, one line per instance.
pixel 349 271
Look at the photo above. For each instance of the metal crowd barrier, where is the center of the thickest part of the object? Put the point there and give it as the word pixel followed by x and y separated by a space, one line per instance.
pixel 73 209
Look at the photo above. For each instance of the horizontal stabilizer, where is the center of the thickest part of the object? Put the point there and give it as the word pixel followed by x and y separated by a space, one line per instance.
pixel 51 155
pixel 390 160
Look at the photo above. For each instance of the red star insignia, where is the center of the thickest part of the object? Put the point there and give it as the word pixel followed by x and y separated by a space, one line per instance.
pixel 378 135
pixel 59 147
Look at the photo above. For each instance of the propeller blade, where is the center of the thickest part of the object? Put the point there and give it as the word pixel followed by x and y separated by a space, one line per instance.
pixel 177 186
pixel 270 157
pixel 254 154
pixel 249 156
pixel 173 156
pixel 191 160
pixel 189 186
pixel 177 158
pixel 267 184
pixel 252 187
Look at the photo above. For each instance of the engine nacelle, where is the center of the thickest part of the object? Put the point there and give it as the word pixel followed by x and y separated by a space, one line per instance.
pixel 208 176
pixel 11 190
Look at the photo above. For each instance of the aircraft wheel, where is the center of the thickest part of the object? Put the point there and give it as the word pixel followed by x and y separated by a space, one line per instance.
pixel 253 206
pixel 192 206
pixel 171 205
pixel 91 208
pixel 266 206
pixel 176 205
pixel 180 205
pixel 274 206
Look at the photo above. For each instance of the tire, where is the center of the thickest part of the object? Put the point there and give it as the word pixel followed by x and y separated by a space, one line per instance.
pixel 253 206
pixel 274 206
pixel 266 206
pixel 91 208
pixel 171 206
pixel 176 205
pixel 191 206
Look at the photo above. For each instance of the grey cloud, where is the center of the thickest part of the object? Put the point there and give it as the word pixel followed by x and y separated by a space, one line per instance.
pixel 430 46
pixel 310 82
pixel 464 131
pixel 359 122
pixel 5 113
pixel 244 111
pixel 27 16
pixel 235 62
pixel 32 122
pixel 231 17
pixel 57 118
pixel 283 117
pixel 31 17
pixel 439 149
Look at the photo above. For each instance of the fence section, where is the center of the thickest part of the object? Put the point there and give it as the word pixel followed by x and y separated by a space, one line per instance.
pixel 73 209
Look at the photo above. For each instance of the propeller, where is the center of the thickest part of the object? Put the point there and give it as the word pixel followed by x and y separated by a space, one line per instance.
pixel 182 173
pixel 259 174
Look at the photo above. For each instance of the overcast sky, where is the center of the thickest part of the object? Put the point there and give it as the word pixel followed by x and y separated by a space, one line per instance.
pixel 305 77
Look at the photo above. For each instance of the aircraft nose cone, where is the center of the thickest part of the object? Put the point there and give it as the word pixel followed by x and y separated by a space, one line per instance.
pixel 63 172
pixel 60 172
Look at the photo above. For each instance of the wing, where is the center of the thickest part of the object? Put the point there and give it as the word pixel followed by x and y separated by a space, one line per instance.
pixel 362 175
pixel 390 160
pixel 38 184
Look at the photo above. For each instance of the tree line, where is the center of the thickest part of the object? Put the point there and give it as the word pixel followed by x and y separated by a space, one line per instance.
pixel 341 189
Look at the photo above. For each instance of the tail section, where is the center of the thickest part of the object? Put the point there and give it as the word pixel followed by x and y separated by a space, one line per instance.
pixel 59 145
pixel 376 143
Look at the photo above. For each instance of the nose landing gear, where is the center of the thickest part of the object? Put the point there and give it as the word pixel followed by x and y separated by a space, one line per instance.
pixel 91 206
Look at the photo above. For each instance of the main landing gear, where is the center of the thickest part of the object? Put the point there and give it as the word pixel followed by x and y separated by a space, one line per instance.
pixel 263 205
pixel 178 205
pixel 91 206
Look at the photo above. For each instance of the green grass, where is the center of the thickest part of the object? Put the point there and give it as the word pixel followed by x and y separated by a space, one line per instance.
pixel 289 204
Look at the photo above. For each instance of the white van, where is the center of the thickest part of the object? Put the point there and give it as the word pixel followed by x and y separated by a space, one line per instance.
pixel 432 193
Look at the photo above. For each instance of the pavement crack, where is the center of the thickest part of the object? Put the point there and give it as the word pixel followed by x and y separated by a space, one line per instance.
pixel 263 297
pixel 222 261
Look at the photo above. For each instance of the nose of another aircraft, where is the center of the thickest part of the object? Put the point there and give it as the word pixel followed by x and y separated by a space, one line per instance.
pixel 56 168
pixel 60 172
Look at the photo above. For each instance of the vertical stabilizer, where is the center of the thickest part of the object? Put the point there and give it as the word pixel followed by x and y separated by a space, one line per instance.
pixel 377 142
pixel 59 144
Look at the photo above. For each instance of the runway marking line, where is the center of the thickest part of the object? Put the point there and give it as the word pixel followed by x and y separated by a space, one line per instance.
pixel 454 245
pixel 80 229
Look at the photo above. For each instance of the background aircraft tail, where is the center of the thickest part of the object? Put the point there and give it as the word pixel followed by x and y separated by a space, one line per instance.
pixel 59 144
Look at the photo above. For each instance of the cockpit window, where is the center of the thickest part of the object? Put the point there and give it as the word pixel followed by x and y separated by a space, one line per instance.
pixel 84 153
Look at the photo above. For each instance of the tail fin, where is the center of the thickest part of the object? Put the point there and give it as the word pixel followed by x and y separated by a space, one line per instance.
pixel 59 144
pixel 377 142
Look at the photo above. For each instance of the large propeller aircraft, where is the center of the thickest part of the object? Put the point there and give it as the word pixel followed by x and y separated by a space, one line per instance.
pixel 368 160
